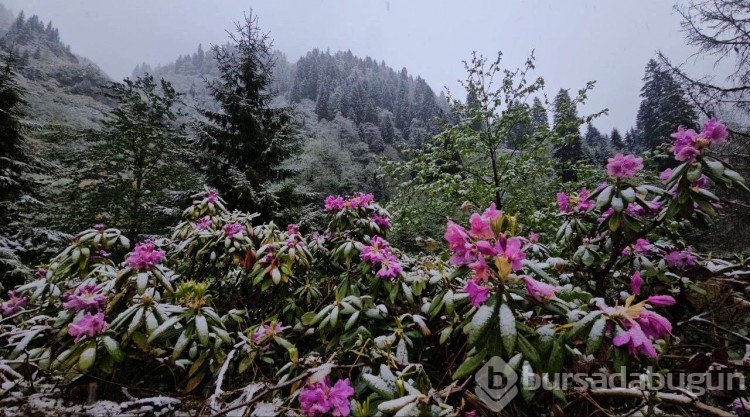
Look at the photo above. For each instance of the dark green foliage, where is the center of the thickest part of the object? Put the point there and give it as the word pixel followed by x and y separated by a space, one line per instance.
pixel 663 107
pixel 242 147
pixel 565 124
pixel 596 146
pixel 134 170
pixel 13 148
pixel 616 139
pixel 14 163
pixel 362 89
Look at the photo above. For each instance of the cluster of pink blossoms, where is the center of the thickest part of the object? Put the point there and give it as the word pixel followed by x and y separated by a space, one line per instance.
pixel 86 297
pixel 204 223
pixel 680 259
pixel 233 230
pixel 212 196
pixel 688 144
pixel 14 304
pixel 381 258
pixel 266 331
pixel 88 325
pixel 89 299
pixel 578 201
pixel 472 247
pixel 383 222
pixel 145 256
pixel 624 166
pixel 358 200
pixel 639 324
pixel 320 398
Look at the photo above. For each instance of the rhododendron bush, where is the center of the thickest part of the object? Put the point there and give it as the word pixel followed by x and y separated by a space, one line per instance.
pixel 338 321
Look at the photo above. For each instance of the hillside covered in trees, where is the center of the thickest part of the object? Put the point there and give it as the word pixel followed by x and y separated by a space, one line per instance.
pixel 233 233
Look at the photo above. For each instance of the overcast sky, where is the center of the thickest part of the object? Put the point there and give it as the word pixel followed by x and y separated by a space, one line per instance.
pixel 609 41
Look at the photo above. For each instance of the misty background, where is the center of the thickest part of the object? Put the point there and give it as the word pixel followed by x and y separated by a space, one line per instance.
pixel 606 41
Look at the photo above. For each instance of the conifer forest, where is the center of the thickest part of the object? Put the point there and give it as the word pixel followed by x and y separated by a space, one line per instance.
pixel 242 232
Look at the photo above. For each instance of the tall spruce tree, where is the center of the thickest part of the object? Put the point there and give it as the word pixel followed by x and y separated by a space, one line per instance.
pixel 616 139
pixel 566 125
pixel 663 107
pixel 241 148
pixel 137 162
pixel 14 159
pixel 14 163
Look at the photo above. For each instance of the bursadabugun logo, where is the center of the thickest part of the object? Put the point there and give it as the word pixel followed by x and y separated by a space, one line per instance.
pixel 496 384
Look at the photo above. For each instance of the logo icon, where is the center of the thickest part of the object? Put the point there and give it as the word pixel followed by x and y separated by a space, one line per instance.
pixel 496 384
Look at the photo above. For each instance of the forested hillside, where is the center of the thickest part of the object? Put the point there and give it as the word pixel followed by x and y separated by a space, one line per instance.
pixel 237 234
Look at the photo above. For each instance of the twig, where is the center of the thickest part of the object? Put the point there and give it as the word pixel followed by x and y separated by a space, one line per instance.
pixel 676 399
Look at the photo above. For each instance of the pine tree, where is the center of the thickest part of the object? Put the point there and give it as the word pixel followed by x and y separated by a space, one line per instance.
pixel 595 145
pixel 565 125
pixel 242 147
pixel 14 163
pixel 663 107
pixel 539 117
pixel 616 139
pixel 13 147
pixel 137 161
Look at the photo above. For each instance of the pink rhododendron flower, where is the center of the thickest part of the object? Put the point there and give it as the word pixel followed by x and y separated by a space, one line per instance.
pixel 389 268
pixel 636 282
pixel 583 202
pixel 540 291
pixel 480 227
pixel 563 202
pixel 477 293
pixel 320 398
pixel 511 250
pixel 360 200
pixel 99 227
pixel 680 259
pixel 458 243
pixel 662 300
pixel 700 182
pixel 480 269
pixel 688 144
pixel 715 131
pixel 492 213
pixel 383 222
pixel 636 340
pixel 233 230
pixel 212 196
pixel 266 331
pixel 378 250
pixel 624 166
pixel 203 223
pixel 145 256
pixel 87 325
pixel 292 229
pixel 86 297
pixel 334 203
pixel 14 304
pixel 533 237
pixel 654 325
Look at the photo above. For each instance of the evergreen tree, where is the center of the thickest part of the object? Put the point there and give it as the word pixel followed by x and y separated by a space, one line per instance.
pixel 13 147
pixel 14 162
pixel 539 118
pixel 616 139
pixel 595 145
pixel 565 125
pixel 663 107
pixel 242 147
pixel 136 163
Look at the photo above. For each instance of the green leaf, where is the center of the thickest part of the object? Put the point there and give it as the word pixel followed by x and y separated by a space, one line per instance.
pixel 88 357
pixel 480 321
pixel 556 357
pixel 596 336
pixel 201 329
pixel 582 324
pixel 529 352
pixel 469 366
pixel 508 331
pixel 113 348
